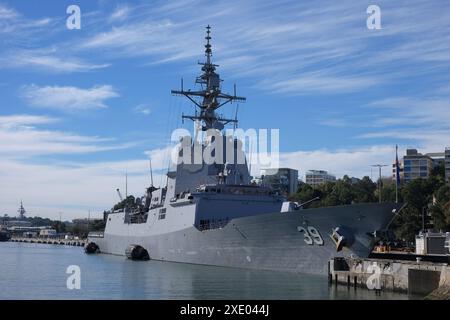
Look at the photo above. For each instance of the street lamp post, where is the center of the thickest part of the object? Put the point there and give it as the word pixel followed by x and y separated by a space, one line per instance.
pixel 379 180
pixel 60 223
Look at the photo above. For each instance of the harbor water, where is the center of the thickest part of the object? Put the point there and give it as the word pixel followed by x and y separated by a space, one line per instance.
pixel 38 271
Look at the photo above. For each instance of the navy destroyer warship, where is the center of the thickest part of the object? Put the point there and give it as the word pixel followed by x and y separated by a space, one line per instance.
pixel 211 213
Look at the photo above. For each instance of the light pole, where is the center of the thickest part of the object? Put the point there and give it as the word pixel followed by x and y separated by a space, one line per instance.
pixel 379 180
pixel 60 223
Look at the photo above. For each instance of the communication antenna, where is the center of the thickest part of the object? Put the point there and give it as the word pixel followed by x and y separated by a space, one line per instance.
pixel 236 114
pixel 151 171
pixel 126 184
pixel 250 165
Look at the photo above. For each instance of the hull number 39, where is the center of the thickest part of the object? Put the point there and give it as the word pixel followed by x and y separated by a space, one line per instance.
pixel 311 235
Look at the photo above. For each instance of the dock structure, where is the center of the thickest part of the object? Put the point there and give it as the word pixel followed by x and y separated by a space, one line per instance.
pixel 412 277
pixel 66 242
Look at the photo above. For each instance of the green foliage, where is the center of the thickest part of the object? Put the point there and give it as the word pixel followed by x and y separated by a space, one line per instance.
pixel 424 197
pixel 341 192
pixel 98 225
pixel 60 227
pixel 127 202
pixel 440 211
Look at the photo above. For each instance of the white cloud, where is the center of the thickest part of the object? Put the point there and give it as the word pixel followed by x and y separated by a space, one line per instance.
pixel 308 83
pixel 143 109
pixel 13 25
pixel 72 187
pixel 351 161
pixel 47 189
pixel 17 120
pixel 7 13
pixel 47 62
pixel 120 13
pixel 68 98
pixel 20 138
pixel 298 54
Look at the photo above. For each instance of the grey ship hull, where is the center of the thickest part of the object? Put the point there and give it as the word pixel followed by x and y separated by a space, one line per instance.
pixel 266 241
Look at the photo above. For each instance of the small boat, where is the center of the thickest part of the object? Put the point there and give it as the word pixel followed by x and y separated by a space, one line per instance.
pixel 4 236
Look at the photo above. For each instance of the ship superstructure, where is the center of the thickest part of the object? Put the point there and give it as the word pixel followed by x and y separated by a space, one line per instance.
pixel 210 213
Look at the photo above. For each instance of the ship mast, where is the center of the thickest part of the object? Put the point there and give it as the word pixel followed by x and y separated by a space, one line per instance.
pixel 21 211
pixel 211 96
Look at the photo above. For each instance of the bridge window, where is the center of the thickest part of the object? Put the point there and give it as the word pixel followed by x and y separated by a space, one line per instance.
pixel 162 214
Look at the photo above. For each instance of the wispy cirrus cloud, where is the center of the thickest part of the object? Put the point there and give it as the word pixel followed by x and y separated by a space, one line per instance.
pixel 17 120
pixel 14 26
pixel 66 98
pixel 432 111
pixel 21 137
pixel 47 61
pixel 422 121
pixel 7 13
pixel 142 109
pixel 298 54
pixel 120 13
pixel 34 44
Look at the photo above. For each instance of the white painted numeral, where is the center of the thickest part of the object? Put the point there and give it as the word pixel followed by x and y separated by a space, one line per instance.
pixel 307 238
pixel 315 235
pixel 311 235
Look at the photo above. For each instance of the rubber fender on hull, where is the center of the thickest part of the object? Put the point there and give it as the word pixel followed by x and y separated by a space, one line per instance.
pixel 91 247
pixel 137 252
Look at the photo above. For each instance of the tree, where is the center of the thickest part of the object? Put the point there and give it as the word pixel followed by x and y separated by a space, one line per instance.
pixel 440 210
pixel 304 193
pixel 60 227
pixel 127 202
pixel 365 190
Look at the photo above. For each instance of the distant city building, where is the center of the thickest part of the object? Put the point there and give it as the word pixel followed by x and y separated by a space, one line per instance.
pixel 17 223
pixel 282 180
pixel 48 233
pixel 394 170
pixel 417 165
pixel 317 177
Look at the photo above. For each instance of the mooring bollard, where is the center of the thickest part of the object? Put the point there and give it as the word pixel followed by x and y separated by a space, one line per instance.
pixel 335 279
pixel 348 281
pixel 355 282
pixel 330 276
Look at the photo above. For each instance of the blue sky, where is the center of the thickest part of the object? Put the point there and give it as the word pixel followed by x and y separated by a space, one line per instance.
pixel 80 107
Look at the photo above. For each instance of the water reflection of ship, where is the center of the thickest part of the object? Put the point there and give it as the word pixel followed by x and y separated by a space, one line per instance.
pixel 227 221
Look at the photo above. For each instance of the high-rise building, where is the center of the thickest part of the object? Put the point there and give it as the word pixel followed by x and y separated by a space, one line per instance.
pixel 316 177
pixel 281 180
pixel 394 170
pixel 416 165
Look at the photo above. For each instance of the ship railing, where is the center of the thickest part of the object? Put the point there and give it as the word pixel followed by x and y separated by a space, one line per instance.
pixel 213 224
pixel 96 234
pixel 138 218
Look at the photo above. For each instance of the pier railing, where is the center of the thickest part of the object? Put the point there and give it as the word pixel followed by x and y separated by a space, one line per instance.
pixel 56 241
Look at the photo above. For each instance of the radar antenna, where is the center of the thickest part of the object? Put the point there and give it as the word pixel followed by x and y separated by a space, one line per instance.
pixel 212 98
